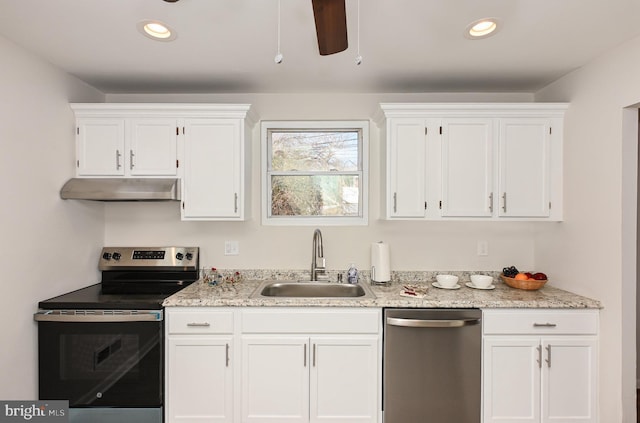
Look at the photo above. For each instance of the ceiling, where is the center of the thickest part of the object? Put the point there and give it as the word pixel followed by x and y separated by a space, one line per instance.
pixel 228 46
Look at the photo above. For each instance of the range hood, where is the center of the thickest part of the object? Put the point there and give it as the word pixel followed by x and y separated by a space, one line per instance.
pixel 121 189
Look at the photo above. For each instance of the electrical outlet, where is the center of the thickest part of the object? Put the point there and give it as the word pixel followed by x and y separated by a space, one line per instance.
pixel 231 248
pixel 483 248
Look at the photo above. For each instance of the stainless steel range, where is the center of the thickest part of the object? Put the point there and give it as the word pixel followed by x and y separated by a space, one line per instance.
pixel 101 347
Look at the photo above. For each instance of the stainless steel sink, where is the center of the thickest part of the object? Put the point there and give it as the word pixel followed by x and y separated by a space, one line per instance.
pixel 309 289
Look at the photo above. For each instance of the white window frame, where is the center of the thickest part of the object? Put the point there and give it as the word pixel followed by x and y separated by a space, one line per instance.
pixel 358 125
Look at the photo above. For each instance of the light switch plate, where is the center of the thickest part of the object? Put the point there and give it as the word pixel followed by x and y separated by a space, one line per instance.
pixel 231 248
pixel 483 248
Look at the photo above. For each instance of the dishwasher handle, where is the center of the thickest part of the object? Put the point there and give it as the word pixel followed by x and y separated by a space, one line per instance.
pixel 431 323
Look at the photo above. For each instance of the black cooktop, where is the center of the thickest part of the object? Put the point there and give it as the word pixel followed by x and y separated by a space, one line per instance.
pixel 133 278
pixel 92 298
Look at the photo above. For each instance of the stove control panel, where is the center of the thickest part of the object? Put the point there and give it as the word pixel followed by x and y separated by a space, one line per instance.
pixel 143 258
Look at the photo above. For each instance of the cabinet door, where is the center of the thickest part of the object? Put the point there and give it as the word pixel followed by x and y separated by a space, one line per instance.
pixel 275 379
pixel 407 168
pixel 511 380
pixel 344 379
pixel 213 169
pixel 152 147
pixel 199 379
pixel 524 167
pixel 100 144
pixel 467 167
pixel 569 379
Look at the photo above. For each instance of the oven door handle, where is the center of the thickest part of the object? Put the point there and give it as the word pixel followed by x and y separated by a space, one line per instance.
pixel 98 316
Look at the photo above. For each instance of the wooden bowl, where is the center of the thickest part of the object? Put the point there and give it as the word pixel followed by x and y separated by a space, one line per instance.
pixel 528 285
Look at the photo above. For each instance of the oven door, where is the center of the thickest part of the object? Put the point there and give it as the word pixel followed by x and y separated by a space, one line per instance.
pixel 101 360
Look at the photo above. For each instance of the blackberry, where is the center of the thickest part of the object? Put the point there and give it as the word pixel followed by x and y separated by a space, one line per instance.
pixel 510 271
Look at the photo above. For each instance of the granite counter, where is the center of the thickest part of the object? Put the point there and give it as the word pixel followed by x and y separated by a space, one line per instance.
pixel 239 294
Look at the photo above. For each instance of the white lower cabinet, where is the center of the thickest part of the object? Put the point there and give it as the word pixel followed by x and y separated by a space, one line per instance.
pixel 291 365
pixel 540 366
pixel 201 380
pixel 200 366
pixel 311 366
pixel 275 379
pixel 343 379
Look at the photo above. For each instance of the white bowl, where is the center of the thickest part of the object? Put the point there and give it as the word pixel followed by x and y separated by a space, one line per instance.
pixel 481 281
pixel 447 281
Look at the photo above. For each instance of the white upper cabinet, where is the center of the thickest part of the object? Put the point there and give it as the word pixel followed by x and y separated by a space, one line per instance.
pixel 473 161
pixel 119 144
pixel 407 164
pixel 100 147
pixel 467 172
pixel 525 166
pixel 412 148
pixel 153 147
pixel 214 169
pixel 207 145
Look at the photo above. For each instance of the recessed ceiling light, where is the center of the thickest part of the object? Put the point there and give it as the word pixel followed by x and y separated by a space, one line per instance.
pixel 481 28
pixel 156 30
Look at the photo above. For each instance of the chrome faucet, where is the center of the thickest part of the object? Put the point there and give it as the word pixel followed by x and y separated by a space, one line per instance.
pixel 317 256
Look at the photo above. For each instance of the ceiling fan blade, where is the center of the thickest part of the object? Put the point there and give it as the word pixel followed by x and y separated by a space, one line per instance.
pixel 331 25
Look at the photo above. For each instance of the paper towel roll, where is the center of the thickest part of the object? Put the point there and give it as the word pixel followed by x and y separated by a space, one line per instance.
pixel 380 268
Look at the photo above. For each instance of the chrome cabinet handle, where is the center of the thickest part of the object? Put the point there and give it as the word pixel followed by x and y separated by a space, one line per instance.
pixel 504 202
pixel 118 165
pixel 314 355
pixel 544 325
pixel 131 156
pixel 199 324
pixel 235 202
pixel 304 357
pixel 539 360
pixel 227 355
pixel 548 359
pixel 491 203
pixel 419 323
pixel 395 202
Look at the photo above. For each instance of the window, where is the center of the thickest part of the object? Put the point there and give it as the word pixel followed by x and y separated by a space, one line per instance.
pixel 316 172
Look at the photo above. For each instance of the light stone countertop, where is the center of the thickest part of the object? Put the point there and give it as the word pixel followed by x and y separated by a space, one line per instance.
pixel 227 294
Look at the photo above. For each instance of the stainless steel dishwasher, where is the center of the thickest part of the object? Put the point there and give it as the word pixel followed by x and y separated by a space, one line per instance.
pixel 432 366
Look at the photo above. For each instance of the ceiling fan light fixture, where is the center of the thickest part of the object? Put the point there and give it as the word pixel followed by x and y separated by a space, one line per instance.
pixel 482 28
pixel 156 30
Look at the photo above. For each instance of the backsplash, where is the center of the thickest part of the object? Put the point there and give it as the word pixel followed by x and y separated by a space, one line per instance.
pixel 237 275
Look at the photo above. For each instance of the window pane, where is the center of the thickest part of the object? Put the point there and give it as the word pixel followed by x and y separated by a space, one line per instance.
pixel 314 151
pixel 328 195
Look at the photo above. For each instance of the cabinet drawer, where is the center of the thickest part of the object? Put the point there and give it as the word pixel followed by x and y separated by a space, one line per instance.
pixel 291 320
pixel 545 322
pixel 199 321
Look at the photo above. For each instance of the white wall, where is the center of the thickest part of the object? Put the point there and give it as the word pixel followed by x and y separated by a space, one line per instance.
pixel 593 251
pixel 414 245
pixel 48 246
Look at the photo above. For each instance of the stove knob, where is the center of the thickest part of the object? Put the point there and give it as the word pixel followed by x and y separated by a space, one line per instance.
pixel 179 256
pixel 189 256
pixel 106 256
pixel 116 256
